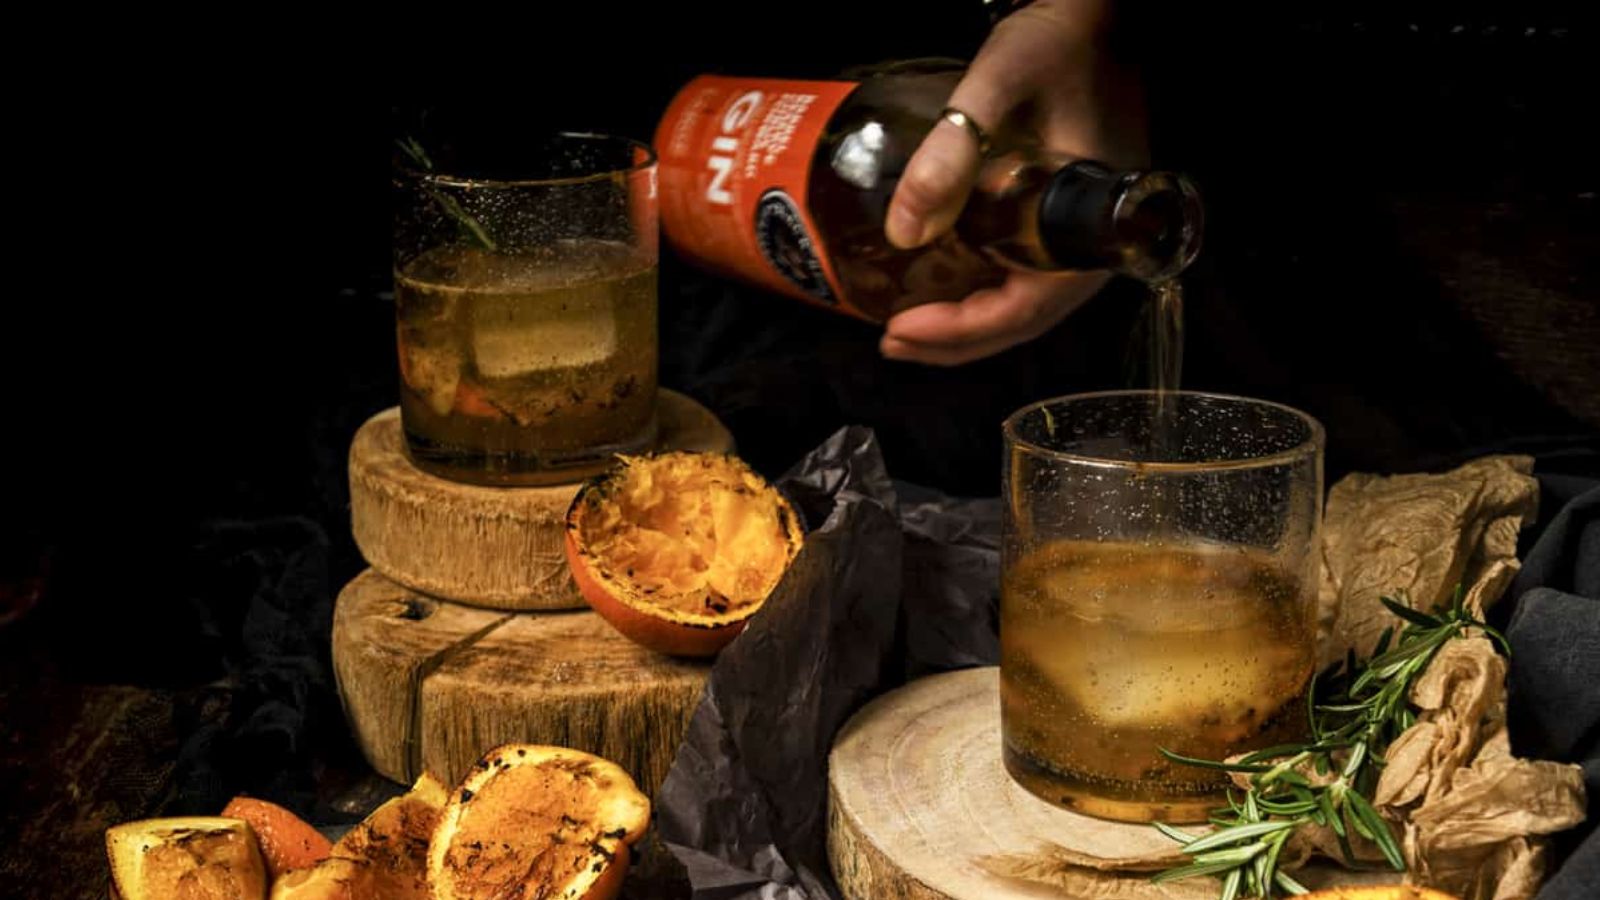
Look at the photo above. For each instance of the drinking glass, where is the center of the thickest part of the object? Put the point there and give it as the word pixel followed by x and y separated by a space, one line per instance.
pixel 526 309
pixel 1158 584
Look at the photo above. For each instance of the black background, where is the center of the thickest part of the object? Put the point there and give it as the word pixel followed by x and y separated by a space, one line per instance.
pixel 199 320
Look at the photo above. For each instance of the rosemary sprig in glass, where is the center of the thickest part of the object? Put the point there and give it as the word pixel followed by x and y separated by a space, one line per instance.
pixel 473 228
pixel 1364 708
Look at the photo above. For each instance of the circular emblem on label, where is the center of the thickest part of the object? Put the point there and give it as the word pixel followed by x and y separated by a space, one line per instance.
pixel 784 241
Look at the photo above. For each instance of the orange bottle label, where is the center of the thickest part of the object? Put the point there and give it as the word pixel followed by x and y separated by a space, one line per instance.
pixel 735 168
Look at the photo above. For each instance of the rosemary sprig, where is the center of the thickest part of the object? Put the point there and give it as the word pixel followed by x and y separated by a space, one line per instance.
pixel 413 149
pixel 1364 708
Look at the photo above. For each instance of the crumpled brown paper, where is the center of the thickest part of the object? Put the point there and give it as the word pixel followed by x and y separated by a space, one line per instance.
pixel 1471 815
pixel 1420 534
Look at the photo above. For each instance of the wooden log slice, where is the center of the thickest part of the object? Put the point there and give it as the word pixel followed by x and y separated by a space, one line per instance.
pixel 498 548
pixel 919 797
pixel 429 684
pixel 386 640
pixel 567 679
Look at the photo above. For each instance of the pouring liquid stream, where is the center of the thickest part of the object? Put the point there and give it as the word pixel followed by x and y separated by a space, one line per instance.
pixel 1166 373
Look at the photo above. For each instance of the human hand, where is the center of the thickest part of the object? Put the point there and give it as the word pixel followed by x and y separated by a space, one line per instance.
pixel 1044 68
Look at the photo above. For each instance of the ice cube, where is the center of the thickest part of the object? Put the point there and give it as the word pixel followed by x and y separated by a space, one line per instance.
pixel 514 335
pixel 1228 679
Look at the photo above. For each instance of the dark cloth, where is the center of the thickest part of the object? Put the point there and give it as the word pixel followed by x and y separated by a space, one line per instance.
pixel 278 719
pixel 1554 682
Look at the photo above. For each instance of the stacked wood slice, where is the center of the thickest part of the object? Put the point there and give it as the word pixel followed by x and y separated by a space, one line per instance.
pixel 468 632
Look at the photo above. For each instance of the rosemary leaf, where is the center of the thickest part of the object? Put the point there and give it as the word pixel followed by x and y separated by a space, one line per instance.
pixel 1383 641
pixel 1276 752
pixel 1493 633
pixel 1230 885
pixel 1181 837
pixel 1353 820
pixel 1343 834
pixel 1289 777
pixel 1183 872
pixel 1379 830
pixel 1409 614
pixel 1289 884
pixel 1290 809
pixel 1269 863
pixel 1312 723
pixel 412 148
pixel 1232 855
pixel 1212 764
pixel 1357 757
pixel 1330 814
pixel 1234 835
pixel 1260 871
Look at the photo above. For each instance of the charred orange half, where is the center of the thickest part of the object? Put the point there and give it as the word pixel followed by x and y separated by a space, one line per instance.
pixel 535 821
pixel 677 551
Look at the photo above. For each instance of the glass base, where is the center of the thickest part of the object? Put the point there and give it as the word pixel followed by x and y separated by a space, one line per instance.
pixel 1105 798
pixel 519 468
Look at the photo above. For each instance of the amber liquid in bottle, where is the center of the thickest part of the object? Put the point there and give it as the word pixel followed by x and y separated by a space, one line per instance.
pixel 787 184
pixel 1030 208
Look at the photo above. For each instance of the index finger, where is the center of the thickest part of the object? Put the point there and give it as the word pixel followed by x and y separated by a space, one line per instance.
pixel 941 172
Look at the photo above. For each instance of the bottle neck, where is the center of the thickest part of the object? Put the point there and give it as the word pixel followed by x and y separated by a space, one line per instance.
pixel 1047 213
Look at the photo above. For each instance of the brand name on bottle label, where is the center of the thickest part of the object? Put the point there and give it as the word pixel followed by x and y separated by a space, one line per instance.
pixel 726 144
pixel 730 149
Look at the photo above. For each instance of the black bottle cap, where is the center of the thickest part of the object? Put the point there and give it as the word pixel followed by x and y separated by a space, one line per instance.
pixel 1143 224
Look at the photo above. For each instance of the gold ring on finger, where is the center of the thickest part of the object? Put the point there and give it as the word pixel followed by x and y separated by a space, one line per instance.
pixel 965 122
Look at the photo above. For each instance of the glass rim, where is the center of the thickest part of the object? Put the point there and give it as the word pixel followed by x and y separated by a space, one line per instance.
pixel 1311 446
pixel 648 161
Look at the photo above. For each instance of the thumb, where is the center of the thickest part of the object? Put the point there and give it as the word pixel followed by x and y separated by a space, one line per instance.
pixel 942 171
